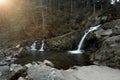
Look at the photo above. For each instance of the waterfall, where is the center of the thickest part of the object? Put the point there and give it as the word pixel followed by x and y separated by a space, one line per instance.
pixel 42 46
pixel 81 42
pixel 79 51
pixel 33 46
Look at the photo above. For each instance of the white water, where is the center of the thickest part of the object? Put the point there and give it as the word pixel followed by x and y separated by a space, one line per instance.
pixel 33 46
pixel 118 0
pixel 42 46
pixel 79 51
pixel 112 2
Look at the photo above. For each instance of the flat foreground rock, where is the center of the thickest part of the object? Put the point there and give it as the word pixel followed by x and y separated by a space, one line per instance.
pixel 79 73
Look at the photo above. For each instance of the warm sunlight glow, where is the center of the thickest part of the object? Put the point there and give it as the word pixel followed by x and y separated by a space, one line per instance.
pixel 3 2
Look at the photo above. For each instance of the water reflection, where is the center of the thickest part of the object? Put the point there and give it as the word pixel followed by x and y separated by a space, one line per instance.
pixel 61 60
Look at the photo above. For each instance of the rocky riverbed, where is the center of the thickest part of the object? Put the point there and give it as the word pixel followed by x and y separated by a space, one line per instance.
pixel 56 27
pixel 41 71
pixel 102 46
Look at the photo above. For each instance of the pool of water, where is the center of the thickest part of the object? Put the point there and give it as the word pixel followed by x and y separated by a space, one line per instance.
pixel 61 60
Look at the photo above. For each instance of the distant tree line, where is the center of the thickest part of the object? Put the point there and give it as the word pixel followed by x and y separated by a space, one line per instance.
pixel 31 16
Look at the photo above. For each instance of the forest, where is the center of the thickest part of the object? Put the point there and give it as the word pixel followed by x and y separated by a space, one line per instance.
pixel 59 39
pixel 53 17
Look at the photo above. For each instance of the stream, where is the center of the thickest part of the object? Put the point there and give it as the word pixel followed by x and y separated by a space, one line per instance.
pixel 61 60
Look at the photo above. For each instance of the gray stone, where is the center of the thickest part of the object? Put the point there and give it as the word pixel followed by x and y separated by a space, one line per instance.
pixel 4 73
pixel 15 67
pixel 102 33
pixel 28 65
pixel 37 72
pixel 21 78
pixel 109 52
pixel 0 73
pixel 43 72
pixel 3 62
pixel 112 24
pixel 48 63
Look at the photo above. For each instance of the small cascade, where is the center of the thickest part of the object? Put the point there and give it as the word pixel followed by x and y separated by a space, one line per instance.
pixel 33 46
pixel 42 46
pixel 79 51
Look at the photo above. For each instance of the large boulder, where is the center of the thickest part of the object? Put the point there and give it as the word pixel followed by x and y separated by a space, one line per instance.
pixel 114 25
pixel 43 72
pixel 5 73
pixel 109 52
pixel 111 24
pixel 101 33
pixel 64 42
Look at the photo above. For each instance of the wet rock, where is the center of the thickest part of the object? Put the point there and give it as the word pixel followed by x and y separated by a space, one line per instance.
pixel 4 53
pixel 3 62
pixel 37 72
pixel 48 63
pixel 114 25
pixel 116 29
pixel 22 52
pixel 92 43
pixel 111 24
pixel 18 74
pixel 97 73
pixel 64 42
pixel 0 74
pixel 4 73
pixel 15 67
pixel 28 65
pixel 1 54
pixel 4 69
pixel 43 72
pixel 102 33
pixel 109 53
pixel 104 18
pixel 7 60
pixel 18 46
pixel 21 78
pixel 10 59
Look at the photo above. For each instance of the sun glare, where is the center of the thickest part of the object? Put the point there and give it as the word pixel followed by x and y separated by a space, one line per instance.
pixel 3 2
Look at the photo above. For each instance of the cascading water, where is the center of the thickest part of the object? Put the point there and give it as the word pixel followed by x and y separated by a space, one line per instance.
pixel 42 46
pixel 79 51
pixel 33 46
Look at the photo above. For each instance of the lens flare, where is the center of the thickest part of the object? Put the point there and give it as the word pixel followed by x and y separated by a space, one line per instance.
pixel 3 2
